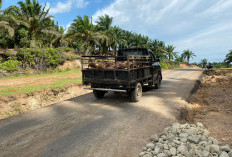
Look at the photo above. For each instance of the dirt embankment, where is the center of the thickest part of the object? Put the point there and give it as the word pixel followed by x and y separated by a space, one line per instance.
pixel 186 66
pixel 212 104
pixel 11 105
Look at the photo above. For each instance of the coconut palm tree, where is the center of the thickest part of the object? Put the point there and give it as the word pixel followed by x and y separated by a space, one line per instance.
pixel 82 29
pixel 188 54
pixel 170 53
pixel 33 16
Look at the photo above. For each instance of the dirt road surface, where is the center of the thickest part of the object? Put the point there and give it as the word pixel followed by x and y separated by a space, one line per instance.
pixel 86 127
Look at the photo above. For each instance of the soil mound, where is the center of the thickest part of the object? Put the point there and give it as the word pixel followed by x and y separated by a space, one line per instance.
pixel 187 66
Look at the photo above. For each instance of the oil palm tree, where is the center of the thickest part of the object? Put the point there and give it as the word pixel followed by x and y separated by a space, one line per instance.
pixel 117 39
pixel 4 24
pixel 82 29
pixel 33 16
pixel 137 40
pixel 228 59
pixel 170 52
pixel 104 22
pixel 128 37
pixel 188 54
pixel 104 26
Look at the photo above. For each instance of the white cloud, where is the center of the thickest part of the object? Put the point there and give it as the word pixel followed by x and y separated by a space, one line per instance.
pixel 203 26
pixel 63 7
pixel 81 3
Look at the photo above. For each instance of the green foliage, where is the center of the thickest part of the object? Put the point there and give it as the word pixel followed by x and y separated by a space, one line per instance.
pixel 10 65
pixel 60 82
pixel 23 37
pixel 228 59
pixel 69 56
pixel 187 54
pixel 166 64
pixel 29 24
pixel 39 59
pixel 204 61
pixel 163 65
pixel 5 39
pixel 62 49
pixel 219 65
pixel 169 52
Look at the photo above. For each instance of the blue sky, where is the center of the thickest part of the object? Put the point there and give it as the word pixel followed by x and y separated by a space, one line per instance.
pixel 203 26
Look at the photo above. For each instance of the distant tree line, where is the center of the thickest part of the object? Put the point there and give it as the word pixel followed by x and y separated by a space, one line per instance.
pixel 29 25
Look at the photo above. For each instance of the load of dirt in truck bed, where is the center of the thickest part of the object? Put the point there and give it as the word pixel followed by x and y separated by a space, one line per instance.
pixel 212 104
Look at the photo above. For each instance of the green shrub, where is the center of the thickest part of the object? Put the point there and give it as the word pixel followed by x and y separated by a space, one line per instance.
pixel 69 56
pixel 169 64
pixel 62 49
pixel 163 65
pixel 10 65
pixel 39 58
pixel 23 37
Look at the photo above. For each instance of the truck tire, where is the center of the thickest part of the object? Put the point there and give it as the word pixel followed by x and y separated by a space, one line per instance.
pixel 98 94
pixel 158 84
pixel 136 93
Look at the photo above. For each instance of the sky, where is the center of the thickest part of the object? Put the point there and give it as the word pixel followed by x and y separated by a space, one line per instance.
pixel 203 26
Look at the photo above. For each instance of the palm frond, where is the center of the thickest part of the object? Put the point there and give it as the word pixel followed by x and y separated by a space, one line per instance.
pixel 6 26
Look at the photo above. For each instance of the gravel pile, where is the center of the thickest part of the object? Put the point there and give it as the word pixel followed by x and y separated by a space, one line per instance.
pixel 190 140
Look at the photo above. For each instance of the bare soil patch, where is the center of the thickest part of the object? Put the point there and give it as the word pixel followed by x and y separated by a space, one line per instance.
pixel 11 105
pixel 212 104
pixel 186 66
pixel 69 65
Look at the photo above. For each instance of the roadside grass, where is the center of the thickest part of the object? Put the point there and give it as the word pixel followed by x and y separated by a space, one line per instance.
pixel 225 68
pixel 58 83
pixel 67 72
pixel 28 89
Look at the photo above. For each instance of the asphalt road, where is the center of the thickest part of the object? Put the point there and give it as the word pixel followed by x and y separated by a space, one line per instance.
pixel 86 127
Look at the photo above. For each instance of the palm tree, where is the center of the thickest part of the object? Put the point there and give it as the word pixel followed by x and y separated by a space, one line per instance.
pixel 82 29
pixel 33 16
pixel 4 24
pixel 117 39
pixel 188 54
pixel 128 36
pixel 228 59
pixel 104 26
pixel 137 40
pixel 104 22
pixel 170 53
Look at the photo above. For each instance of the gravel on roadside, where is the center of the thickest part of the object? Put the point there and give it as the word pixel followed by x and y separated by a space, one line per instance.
pixel 190 140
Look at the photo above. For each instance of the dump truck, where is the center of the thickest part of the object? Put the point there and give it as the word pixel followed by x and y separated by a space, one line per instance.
pixel 127 72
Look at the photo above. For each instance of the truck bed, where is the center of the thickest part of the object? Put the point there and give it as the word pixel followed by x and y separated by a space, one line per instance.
pixel 135 69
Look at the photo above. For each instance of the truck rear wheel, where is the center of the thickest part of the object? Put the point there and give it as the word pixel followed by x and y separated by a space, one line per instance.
pixel 98 94
pixel 158 84
pixel 136 93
